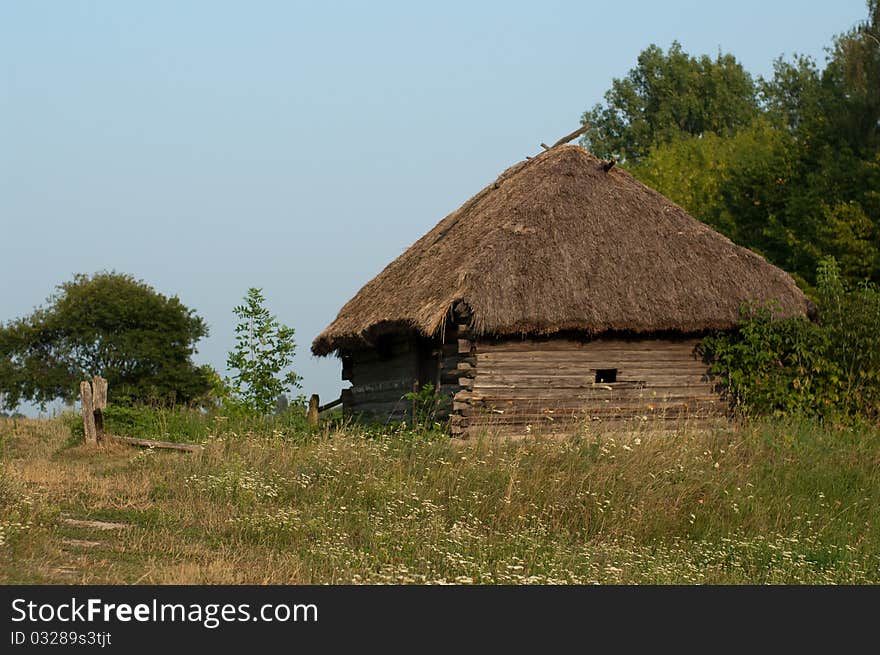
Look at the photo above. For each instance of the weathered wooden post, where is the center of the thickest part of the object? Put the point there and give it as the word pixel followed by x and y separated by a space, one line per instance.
pixel 99 404
pixel 415 390
pixel 88 412
pixel 94 401
pixel 313 409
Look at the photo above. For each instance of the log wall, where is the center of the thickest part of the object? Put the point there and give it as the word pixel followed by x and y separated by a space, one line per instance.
pixel 550 385
pixel 380 375
pixel 379 379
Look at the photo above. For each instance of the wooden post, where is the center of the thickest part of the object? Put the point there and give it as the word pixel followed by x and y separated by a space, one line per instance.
pixel 414 402
pixel 99 404
pixel 312 416
pixel 88 412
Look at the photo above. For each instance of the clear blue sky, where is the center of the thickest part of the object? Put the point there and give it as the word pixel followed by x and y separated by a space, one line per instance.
pixel 206 147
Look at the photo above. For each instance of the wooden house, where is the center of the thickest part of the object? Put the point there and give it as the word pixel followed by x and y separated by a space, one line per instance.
pixel 565 291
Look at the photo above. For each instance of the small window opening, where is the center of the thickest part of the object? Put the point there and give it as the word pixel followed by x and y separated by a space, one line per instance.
pixel 606 375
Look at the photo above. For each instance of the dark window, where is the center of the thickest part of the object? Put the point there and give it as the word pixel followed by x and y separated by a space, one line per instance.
pixel 606 375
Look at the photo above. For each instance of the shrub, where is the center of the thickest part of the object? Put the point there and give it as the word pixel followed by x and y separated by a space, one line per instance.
pixel 827 369
pixel 262 356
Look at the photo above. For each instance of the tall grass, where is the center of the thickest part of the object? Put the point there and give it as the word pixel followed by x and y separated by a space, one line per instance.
pixel 775 502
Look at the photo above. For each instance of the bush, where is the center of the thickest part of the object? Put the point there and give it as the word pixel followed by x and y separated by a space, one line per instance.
pixel 186 425
pixel 793 366
pixel 261 359
pixel 178 424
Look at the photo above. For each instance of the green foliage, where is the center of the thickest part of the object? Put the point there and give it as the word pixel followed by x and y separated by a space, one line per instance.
pixel 178 424
pixel 111 325
pixel 188 425
pixel 425 402
pixel 851 319
pixel 732 183
pixel 788 167
pixel 262 356
pixel 829 369
pixel 668 95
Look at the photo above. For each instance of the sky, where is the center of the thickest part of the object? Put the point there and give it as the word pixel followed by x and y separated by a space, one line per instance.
pixel 209 147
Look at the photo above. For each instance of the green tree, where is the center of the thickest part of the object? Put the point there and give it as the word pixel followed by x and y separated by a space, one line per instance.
pixel 737 184
pixel 801 180
pixel 262 355
pixel 111 325
pixel 668 95
pixel 853 72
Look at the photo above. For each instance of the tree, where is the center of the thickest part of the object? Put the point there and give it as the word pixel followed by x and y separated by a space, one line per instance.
pixel 853 70
pixel 264 350
pixel 668 95
pixel 111 325
pixel 796 182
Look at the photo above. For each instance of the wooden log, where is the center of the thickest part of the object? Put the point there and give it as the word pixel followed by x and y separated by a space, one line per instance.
pixel 99 392
pixel 398 408
pixel 415 404
pixel 673 412
pixel 150 443
pixel 589 395
pixel 570 382
pixel 359 398
pixel 586 360
pixel 551 406
pixel 572 136
pixel 330 405
pixel 464 346
pixel 384 371
pixel 630 374
pixel 88 412
pixel 99 403
pixel 314 403
pixel 685 345
pixel 402 385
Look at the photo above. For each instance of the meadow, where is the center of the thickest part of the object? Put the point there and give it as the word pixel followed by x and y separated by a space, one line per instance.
pixel 779 502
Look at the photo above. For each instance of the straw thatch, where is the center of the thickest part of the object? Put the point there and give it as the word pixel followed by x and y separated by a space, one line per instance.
pixel 557 243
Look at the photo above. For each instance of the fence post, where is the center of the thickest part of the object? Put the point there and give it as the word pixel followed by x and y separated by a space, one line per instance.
pixel 88 412
pixel 415 390
pixel 314 401
pixel 99 403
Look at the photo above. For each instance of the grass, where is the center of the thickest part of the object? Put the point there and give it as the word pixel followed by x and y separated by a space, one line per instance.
pixel 773 503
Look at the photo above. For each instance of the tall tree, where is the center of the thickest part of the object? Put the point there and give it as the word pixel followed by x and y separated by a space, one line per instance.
pixel 111 325
pixel 666 96
pixel 799 180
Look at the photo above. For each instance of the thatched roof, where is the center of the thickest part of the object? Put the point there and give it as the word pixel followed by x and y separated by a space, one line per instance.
pixel 557 243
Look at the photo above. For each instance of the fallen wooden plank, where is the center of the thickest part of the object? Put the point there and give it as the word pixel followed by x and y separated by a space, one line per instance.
pixel 80 543
pixel 98 525
pixel 150 443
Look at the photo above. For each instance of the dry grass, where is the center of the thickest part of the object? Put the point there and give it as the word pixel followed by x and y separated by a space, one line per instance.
pixel 774 503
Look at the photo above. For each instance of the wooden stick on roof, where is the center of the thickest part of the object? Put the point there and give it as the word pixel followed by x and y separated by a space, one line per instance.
pixel 573 135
